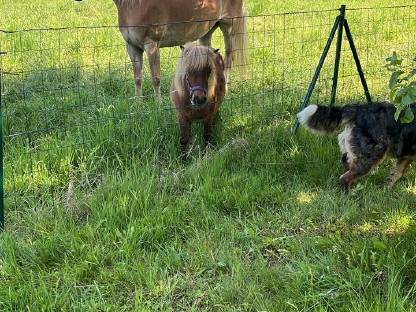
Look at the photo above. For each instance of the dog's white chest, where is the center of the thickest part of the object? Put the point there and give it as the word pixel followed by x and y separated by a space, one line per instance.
pixel 344 142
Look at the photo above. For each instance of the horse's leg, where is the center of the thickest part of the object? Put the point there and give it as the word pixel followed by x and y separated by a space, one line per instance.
pixel 153 54
pixel 226 29
pixel 206 39
pixel 185 130
pixel 136 57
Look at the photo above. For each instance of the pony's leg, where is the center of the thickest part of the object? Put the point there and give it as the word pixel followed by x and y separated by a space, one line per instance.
pixel 228 60
pixel 136 57
pixel 185 130
pixel 208 122
pixel 153 54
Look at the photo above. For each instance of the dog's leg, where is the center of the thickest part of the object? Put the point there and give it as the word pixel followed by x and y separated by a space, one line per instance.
pixel 355 172
pixel 363 154
pixel 401 165
pixel 359 168
pixel 344 145
pixel 344 161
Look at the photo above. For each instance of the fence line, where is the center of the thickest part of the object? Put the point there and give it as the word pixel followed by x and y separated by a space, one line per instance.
pixel 66 93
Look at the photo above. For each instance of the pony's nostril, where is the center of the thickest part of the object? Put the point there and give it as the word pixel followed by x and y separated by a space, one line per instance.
pixel 201 100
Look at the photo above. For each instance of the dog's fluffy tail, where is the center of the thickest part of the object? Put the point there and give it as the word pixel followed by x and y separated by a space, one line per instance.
pixel 323 119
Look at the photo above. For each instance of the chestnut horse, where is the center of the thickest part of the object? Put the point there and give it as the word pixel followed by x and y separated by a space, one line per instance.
pixel 147 25
pixel 198 89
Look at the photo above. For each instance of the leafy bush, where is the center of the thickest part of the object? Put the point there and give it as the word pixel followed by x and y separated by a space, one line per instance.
pixel 402 86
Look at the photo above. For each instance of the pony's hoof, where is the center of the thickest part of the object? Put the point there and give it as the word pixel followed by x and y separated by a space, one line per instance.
pixel 184 158
pixel 136 97
pixel 209 145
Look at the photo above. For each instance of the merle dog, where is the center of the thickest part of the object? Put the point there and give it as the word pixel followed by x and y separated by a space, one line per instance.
pixel 370 133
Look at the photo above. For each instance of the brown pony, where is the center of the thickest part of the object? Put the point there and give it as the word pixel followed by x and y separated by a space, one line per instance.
pixel 147 25
pixel 198 89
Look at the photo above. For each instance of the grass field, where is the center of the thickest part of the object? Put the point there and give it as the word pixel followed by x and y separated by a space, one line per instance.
pixel 101 214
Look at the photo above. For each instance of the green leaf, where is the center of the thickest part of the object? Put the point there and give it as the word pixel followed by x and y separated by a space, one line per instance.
pixel 402 92
pixel 397 113
pixel 410 75
pixel 394 78
pixel 393 94
pixel 394 59
pixel 408 116
pixel 398 95
pixel 407 100
pixel 412 91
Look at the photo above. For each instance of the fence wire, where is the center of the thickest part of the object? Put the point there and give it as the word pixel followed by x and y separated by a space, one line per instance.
pixel 68 93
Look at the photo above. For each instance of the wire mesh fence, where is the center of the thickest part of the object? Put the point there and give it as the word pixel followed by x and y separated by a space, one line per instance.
pixel 67 94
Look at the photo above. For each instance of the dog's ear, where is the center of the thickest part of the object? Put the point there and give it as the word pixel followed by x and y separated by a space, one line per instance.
pixel 217 50
pixel 182 47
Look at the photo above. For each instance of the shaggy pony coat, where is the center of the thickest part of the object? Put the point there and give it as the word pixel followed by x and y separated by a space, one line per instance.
pixel 203 66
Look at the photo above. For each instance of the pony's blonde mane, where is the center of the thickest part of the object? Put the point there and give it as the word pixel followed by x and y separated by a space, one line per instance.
pixel 195 58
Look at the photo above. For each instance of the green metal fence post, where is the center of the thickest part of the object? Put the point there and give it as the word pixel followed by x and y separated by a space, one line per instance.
pixel 340 23
pixel 337 55
pixel 357 61
pixel 317 71
pixel 1 158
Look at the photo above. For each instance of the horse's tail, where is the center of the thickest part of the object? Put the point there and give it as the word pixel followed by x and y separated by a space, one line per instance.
pixel 240 41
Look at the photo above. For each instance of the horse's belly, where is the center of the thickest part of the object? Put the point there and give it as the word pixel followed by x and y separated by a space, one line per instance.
pixel 166 35
pixel 177 34
pixel 174 23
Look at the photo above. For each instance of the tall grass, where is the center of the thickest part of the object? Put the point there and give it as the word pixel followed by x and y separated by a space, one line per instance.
pixel 103 216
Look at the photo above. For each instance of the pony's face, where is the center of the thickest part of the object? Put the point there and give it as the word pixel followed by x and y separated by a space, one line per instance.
pixel 199 65
pixel 197 83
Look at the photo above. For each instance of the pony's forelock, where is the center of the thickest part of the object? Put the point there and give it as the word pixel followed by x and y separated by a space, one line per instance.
pixel 195 58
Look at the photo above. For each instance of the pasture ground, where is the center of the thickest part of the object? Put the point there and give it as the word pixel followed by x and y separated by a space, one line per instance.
pixel 112 220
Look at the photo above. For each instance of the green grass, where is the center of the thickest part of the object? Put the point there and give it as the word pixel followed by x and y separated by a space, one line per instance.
pixel 101 215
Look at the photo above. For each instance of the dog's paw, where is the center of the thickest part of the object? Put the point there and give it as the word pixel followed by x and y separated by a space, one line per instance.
pixel 345 187
pixel 389 183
